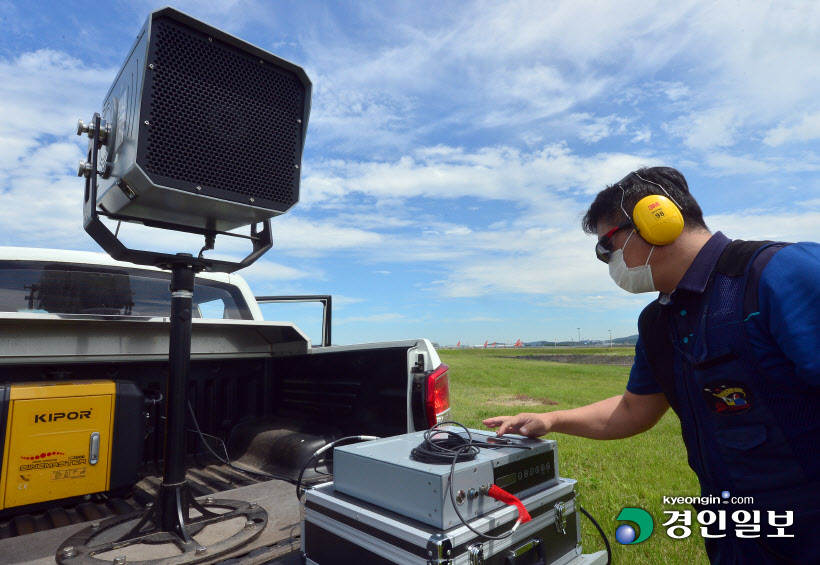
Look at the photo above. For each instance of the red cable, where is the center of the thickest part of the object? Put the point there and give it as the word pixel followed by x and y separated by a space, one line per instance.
pixel 502 495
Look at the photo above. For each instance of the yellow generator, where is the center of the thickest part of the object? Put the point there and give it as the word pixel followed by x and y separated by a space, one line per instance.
pixel 63 440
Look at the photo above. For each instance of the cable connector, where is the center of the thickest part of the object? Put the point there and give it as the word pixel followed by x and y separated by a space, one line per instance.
pixel 502 495
pixel 324 448
pixel 299 490
pixel 331 444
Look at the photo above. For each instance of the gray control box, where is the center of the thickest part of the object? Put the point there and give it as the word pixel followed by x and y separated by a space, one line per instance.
pixel 382 472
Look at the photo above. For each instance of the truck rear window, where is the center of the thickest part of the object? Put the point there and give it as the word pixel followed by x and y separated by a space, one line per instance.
pixel 68 288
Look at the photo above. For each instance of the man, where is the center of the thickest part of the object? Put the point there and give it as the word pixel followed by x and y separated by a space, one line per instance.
pixel 732 344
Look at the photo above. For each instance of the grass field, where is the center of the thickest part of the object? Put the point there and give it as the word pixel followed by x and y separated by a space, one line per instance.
pixel 611 475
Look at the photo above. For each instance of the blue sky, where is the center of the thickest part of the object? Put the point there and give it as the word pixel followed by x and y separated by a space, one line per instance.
pixel 453 146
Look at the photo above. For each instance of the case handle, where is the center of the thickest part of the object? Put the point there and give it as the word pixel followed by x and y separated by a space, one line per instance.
pixel 534 544
pixel 94 449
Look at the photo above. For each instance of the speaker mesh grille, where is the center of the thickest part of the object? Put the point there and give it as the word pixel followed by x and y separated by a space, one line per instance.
pixel 221 119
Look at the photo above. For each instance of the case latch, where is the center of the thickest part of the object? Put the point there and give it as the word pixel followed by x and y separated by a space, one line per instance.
pixel 560 519
pixel 476 553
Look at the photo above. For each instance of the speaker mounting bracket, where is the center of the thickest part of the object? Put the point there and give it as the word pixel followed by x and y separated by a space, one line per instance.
pixel 99 232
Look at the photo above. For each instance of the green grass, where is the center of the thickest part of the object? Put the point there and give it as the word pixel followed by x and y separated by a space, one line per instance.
pixel 611 475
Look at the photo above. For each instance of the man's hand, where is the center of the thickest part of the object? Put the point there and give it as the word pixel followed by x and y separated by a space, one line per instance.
pixel 614 418
pixel 525 424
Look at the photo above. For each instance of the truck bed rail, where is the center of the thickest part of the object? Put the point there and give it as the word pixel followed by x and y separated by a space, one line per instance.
pixel 53 338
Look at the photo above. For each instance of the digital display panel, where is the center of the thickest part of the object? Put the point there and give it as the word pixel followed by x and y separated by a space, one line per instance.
pixel 528 472
pixel 505 481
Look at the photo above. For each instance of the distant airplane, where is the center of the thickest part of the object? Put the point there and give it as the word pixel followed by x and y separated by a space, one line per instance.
pixel 485 345
pixel 458 344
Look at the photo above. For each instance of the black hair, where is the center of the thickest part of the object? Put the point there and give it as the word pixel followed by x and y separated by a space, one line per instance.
pixel 607 205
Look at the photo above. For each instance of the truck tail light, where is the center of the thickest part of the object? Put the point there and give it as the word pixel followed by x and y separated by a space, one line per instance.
pixel 437 405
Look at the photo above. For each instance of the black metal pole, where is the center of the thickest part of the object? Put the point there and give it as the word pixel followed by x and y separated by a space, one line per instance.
pixel 168 520
pixel 174 506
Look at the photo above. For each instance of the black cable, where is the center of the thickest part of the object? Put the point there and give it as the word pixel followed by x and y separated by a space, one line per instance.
pixel 299 491
pixel 435 449
pixel 454 448
pixel 600 531
pixel 440 450
pixel 318 462
pixel 458 513
pixel 227 460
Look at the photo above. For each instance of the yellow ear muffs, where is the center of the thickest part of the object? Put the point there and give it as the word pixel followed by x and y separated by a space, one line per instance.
pixel 658 220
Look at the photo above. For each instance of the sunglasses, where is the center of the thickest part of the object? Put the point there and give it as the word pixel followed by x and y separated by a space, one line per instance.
pixel 602 249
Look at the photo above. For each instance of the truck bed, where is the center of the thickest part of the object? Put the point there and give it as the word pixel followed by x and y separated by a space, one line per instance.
pixel 33 538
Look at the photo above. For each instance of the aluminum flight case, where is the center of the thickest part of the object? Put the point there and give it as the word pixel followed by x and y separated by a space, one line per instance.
pixel 338 529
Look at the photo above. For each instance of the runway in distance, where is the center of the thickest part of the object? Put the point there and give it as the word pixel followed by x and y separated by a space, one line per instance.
pixel 485 345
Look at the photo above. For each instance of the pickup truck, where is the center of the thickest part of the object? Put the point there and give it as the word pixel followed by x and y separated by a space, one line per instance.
pixel 263 398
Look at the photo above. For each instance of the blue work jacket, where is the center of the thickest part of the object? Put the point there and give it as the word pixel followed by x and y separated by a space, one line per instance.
pixel 745 356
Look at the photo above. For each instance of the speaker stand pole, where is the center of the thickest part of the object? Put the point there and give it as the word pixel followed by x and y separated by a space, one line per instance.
pixel 169 519
pixel 173 499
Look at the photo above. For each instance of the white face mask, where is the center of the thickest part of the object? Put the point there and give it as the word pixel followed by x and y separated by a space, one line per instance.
pixel 635 280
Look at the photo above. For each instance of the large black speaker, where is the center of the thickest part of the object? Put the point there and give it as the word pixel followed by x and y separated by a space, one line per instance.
pixel 205 130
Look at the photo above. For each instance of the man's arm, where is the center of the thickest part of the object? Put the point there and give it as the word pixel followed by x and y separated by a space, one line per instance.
pixel 789 294
pixel 614 418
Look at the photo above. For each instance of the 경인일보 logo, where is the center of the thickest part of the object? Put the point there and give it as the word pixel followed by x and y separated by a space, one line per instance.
pixel 625 534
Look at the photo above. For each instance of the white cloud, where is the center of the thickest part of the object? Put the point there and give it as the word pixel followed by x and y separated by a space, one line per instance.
pixel 372 319
pixel 537 248
pixel 766 61
pixel 229 15
pixel 453 142
pixel 749 74
pixel 767 224
pixel 674 91
pixel 396 79
pixel 495 65
pixel 598 128
pixel 46 91
pixel 40 198
pixel 807 128
pixel 534 93
pixel 642 135
pixel 266 270
pixel 716 127
pixel 542 272
pixel 489 173
pixel 340 301
pixel 725 164
pixel 533 62
pixel 721 163
pixel 305 237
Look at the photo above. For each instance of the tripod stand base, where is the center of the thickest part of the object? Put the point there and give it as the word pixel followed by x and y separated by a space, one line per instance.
pixel 213 529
